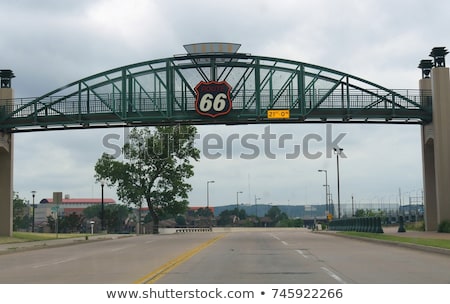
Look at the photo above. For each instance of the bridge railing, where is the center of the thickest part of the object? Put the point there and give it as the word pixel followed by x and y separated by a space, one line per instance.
pixel 113 103
pixel 193 229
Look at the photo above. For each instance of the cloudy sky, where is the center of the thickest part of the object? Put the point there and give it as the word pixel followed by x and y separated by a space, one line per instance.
pixel 49 43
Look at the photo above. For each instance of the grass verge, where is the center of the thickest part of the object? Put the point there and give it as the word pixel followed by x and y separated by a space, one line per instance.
pixel 439 243
pixel 21 237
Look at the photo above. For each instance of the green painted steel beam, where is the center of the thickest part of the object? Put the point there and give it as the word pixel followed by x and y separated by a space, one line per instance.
pixel 162 91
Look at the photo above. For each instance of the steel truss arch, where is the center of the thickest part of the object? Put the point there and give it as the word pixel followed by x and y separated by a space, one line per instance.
pixel 161 91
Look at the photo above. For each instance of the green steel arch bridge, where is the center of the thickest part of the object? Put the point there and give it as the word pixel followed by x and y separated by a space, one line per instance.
pixel 214 84
pixel 214 87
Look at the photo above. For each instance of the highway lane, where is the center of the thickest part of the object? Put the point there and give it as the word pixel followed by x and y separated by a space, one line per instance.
pixel 118 261
pixel 281 256
pixel 303 257
pixel 253 257
pixel 363 262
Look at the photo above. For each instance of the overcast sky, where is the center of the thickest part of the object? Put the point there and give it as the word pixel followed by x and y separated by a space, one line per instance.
pixel 48 44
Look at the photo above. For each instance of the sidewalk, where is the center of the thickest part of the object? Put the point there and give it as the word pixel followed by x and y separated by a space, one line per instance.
pixel 16 247
pixel 417 234
pixel 22 246
pixel 407 234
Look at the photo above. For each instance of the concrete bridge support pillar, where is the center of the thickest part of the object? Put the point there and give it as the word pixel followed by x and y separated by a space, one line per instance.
pixel 441 120
pixel 429 179
pixel 436 143
pixel 6 160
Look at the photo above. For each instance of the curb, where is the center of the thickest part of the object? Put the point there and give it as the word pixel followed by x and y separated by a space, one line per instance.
pixel 28 246
pixel 431 249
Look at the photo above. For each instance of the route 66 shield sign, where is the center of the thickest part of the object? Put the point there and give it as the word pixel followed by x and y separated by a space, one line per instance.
pixel 213 98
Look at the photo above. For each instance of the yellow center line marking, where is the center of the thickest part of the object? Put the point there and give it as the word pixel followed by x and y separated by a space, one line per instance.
pixel 155 275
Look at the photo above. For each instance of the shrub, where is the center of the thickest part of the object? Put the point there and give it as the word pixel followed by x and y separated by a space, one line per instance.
pixel 444 226
pixel 416 226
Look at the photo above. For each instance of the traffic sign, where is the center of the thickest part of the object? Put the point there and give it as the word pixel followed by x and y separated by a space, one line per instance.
pixel 278 114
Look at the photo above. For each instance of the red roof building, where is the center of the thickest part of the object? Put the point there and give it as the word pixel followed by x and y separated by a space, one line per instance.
pixel 67 206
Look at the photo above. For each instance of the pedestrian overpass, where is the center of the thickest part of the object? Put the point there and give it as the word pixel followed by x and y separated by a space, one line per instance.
pixel 215 84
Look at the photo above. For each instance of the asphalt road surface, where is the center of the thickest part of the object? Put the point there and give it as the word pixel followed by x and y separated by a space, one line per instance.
pixel 246 256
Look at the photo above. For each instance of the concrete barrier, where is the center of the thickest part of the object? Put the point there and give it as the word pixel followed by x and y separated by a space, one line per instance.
pixel 359 224
pixel 185 230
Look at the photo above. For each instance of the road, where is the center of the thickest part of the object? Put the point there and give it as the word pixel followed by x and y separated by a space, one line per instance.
pixel 253 256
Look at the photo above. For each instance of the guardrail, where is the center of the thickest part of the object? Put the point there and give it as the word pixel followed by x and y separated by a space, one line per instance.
pixel 359 224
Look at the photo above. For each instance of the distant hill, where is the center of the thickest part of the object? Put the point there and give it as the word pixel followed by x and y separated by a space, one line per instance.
pixel 297 211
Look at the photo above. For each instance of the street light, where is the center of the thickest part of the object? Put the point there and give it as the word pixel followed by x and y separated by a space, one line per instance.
pixel 338 152
pixel 27 201
pixel 102 216
pixel 207 200
pixel 32 224
pixel 237 202
pixel 256 205
pixel 330 201
pixel 326 190
pixel 207 192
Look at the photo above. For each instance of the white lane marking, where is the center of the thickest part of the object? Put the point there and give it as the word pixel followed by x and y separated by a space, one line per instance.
pixel 275 237
pixel 64 261
pixel 284 243
pixel 302 253
pixel 120 248
pixel 54 263
pixel 333 275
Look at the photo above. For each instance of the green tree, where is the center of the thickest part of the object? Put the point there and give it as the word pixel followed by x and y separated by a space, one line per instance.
pixel 180 221
pixel 21 213
pixel 367 213
pixel 241 213
pixel 92 212
pixel 71 223
pixel 275 214
pixel 51 222
pixel 156 165
pixel 290 223
pixel 226 218
pixel 115 215
pixel 204 212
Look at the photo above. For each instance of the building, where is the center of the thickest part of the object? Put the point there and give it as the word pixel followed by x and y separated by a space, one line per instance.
pixel 68 205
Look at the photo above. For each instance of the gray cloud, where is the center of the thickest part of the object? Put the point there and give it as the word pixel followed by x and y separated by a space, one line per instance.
pixel 51 43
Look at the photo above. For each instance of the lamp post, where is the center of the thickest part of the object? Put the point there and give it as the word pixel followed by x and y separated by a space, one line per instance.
pixel 326 190
pixel 207 201
pixel 353 207
pixel 338 152
pixel 33 193
pixel 237 203
pixel 28 214
pixel 207 192
pixel 330 202
pixel 102 216
pixel 256 205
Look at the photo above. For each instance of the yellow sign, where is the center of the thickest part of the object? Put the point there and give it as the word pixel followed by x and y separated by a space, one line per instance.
pixel 278 114
pixel 329 216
